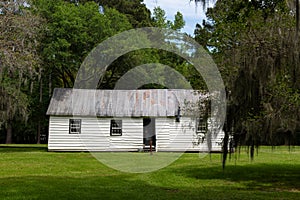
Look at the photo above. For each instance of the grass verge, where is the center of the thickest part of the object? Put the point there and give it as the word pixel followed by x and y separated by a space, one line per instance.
pixel 30 172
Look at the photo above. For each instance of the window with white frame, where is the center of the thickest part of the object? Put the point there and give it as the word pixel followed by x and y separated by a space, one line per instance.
pixel 201 125
pixel 115 127
pixel 74 126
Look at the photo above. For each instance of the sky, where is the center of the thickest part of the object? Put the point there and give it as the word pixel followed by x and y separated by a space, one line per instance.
pixel 191 14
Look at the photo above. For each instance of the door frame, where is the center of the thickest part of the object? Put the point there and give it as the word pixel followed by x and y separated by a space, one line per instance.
pixel 149 131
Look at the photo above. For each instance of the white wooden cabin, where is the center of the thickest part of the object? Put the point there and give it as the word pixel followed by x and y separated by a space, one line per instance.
pixel 126 120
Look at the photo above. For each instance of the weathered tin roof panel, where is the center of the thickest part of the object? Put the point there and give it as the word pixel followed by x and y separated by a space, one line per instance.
pixel 123 103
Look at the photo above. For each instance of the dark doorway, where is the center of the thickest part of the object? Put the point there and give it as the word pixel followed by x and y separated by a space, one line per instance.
pixel 149 132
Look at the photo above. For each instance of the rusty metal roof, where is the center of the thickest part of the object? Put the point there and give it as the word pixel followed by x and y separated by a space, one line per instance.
pixel 124 103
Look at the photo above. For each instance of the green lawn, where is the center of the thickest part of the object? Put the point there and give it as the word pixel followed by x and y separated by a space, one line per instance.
pixel 30 172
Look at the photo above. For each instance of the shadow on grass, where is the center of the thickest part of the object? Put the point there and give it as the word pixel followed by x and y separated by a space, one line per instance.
pixel 285 177
pixel 22 148
pixel 120 187
pixel 77 176
pixel 95 187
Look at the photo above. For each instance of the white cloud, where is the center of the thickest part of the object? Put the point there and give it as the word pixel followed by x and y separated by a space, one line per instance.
pixel 191 13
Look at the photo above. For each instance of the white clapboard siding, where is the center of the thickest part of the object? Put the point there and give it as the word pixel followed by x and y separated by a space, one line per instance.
pixel 95 135
pixel 216 138
pixel 172 135
pixel 162 130
pixel 132 136
pixel 180 136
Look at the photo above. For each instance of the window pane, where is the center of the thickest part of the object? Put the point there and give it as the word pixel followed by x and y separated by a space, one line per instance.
pixel 116 127
pixel 74 126
pixel 201 125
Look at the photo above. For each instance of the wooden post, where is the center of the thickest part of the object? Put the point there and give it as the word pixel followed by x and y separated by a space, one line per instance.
pixel 151 146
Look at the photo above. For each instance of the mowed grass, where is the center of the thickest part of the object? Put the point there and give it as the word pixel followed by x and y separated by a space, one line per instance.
pixel 30 172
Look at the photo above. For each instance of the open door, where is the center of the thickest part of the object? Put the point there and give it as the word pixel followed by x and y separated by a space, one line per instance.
pixel 149 133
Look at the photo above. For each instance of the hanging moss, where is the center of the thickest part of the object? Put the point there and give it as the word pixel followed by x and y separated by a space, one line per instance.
pixel 257 54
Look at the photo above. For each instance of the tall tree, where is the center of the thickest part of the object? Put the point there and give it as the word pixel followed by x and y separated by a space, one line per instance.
pixel 135 10
pixel 253 43
pixel 20 63
pixel 160 20
pixel 140 57
pixel 72 32
pixel 294 7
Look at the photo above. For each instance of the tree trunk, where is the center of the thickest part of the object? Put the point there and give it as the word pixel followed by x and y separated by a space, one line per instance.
pixel 295 71
pixel 39 133
pixel 225 147
pixel 38 138
pixel 252 150
pixel 297 19
pixel 9 133
pixel 50 84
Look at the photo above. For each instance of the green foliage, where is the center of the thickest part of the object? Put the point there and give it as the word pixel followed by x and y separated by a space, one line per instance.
pixel 160 20
pixel 60 41
pixel 178 22
pixel 136 11
pixel 19 60
pixel 44 42
pixel 72 32
pixel 255 46
pixel 136 58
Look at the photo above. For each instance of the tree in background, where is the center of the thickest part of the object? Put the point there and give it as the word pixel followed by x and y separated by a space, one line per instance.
pixel 43 44
pixel 56 35
pixel 135 10
pixel 127 62
pixel 19 62
pixel 253 43
pixel 160 20
pixel 72 32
